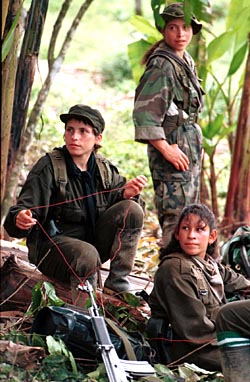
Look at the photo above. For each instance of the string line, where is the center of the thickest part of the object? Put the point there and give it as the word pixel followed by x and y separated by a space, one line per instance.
pixel 81 281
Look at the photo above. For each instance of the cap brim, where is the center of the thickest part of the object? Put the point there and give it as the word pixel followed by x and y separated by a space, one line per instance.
pixel 196 25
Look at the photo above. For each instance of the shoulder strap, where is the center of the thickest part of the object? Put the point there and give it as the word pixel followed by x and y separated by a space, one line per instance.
pixel 105 171
pixel 60 172
pixel 177 63
pixel 127 345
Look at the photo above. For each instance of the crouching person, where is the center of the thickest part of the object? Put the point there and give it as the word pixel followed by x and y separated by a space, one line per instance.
pixel 190 286
pixel 99 217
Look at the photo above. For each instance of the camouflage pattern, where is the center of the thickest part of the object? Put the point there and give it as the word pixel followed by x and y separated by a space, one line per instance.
pixel 159 113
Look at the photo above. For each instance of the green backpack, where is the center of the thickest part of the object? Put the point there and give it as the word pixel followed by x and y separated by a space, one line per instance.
pixel 236 251
pixel 60 171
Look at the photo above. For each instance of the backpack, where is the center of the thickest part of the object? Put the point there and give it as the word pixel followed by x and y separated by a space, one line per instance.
pixel 73 326
pixel 60 172
pixel 236 251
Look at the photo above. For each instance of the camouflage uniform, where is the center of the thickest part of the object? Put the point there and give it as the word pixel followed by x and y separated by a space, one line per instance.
pixel 166 106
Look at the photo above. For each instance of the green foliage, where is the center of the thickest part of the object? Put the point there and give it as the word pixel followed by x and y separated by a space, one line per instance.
pixel 43 295
pixel 116 70
pixel 136 49
pixel 58 347
pixel 237 60
pixel 9 39
pixel 201 9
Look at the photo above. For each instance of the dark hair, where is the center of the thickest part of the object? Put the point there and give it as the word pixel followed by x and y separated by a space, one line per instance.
pixel 205 214
pixel 150 51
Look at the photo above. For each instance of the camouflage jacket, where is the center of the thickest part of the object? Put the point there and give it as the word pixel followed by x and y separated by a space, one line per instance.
pixel 166 107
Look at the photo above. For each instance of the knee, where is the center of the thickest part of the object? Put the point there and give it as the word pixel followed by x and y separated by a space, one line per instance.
pixel 87 259
pixel 223 318
pixel 134 214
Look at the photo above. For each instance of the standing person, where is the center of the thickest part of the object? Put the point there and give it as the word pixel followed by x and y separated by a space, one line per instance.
pixel 167 102
pixel 233 335
pixel 101 220
pixel 190 286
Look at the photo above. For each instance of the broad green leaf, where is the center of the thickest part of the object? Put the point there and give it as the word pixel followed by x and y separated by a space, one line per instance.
pixel 238 20
pixel 208 146
pixel 225 131
pixel 143 25
pixel 136 51
pixel 235 8
pixel 8 41
pixel 156 5
pixel 237 60
pixel 131 299
pixel 54 347
pixel 213 128
pixel 219 46
pixel 202 10
pixel 59 347
pixel 37 298
pixel 51 294
pixel 188 8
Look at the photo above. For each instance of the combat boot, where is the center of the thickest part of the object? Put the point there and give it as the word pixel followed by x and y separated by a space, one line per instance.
pixel 122 258
pixel 235 362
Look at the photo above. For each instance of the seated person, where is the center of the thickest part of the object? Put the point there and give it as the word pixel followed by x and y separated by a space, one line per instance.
pixel 101 218
pixel 190 286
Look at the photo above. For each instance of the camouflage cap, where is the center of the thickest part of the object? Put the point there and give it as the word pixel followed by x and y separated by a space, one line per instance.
pixel 92 115
pixel 175 10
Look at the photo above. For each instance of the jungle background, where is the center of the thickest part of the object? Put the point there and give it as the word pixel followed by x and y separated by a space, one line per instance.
pixel 57 54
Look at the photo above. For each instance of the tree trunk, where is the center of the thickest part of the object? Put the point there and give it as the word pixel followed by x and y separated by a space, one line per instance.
pixel 237 209
pixel 212 181
pixel 9 67
pixel 26 71
pixel 138 7
pixel 5 7
pixel 21 80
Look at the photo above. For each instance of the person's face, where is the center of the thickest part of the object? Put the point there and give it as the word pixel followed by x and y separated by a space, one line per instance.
pixel 194 236
pixel 177 35
pixel 80 138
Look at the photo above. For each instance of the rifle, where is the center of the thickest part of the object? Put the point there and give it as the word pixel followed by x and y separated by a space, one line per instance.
pixel 117 370
pixel 114 369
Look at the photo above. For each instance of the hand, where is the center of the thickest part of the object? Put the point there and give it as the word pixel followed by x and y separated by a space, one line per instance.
pixel 177 157
pixel 172 153
pixel 24 220
pixel 134 186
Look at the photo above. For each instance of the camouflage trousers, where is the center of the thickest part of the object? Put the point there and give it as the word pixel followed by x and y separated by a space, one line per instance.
pixel 175 189
pixel 171 197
